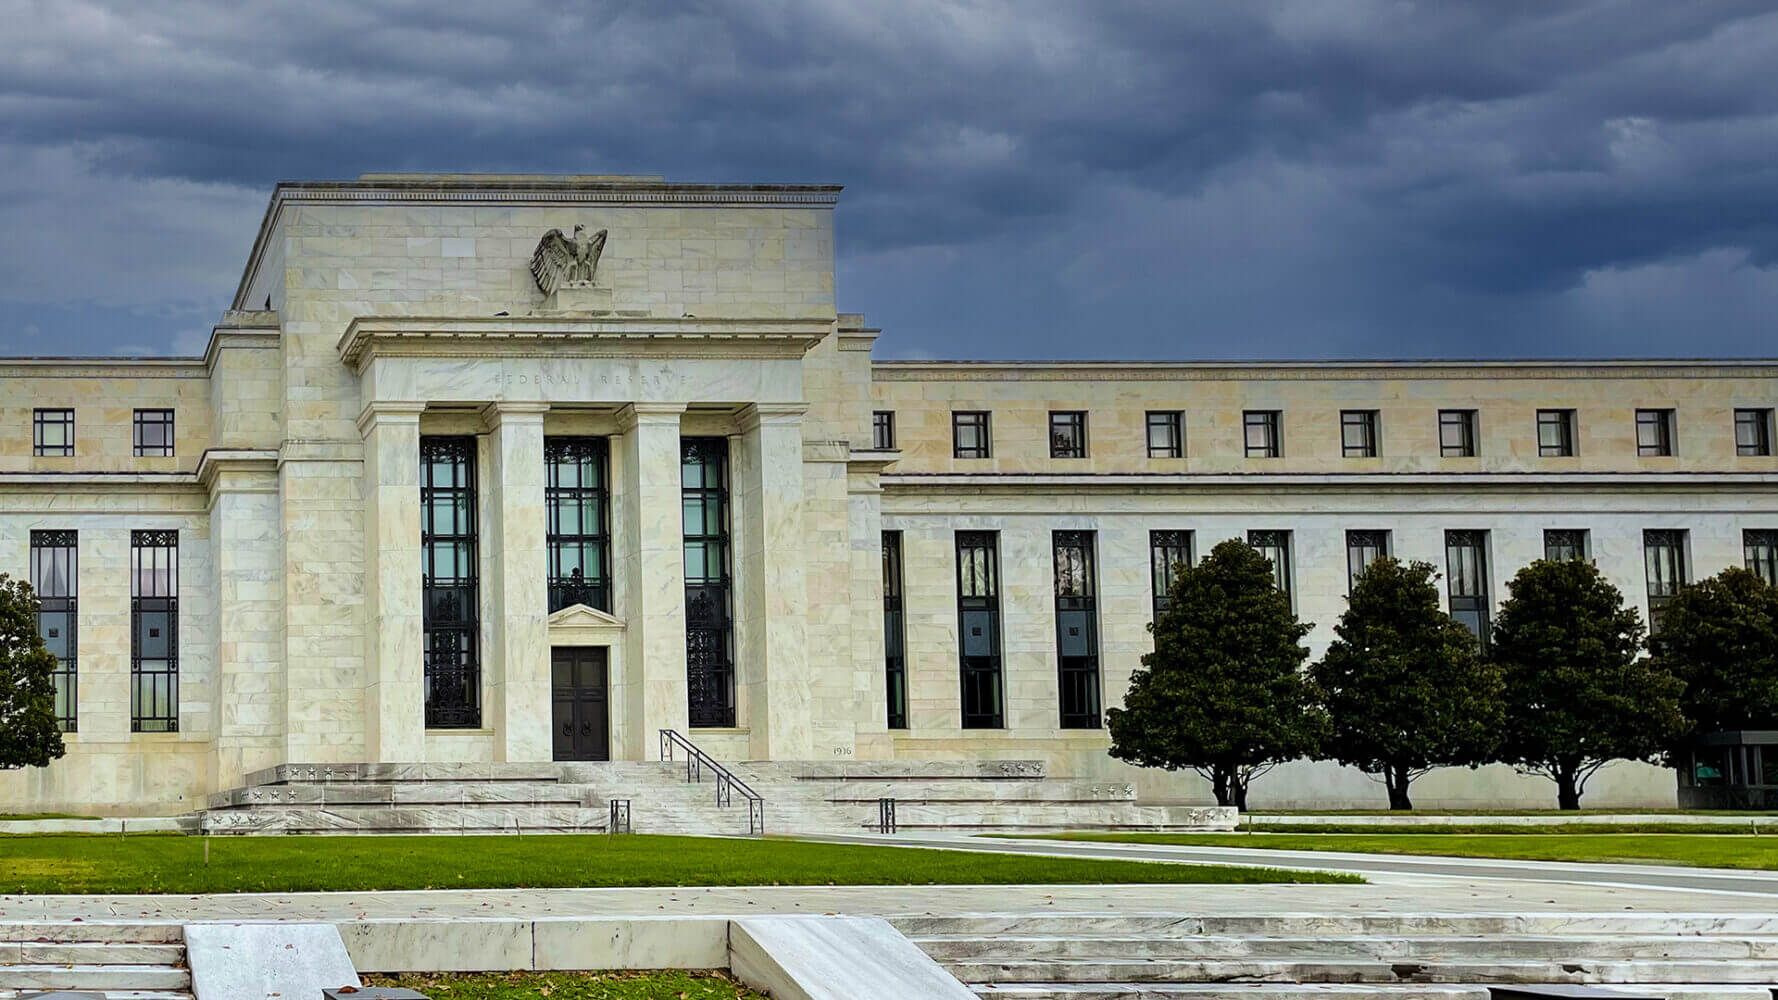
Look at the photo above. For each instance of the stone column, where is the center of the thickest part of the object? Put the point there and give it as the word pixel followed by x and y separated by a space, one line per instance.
pixel 771 585
pixel 521 689
pixel 650 571
pixel 248 563
pixel 395 729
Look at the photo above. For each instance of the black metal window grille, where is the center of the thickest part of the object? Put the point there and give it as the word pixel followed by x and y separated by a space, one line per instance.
pixel 1466 569
pixel 1555 433
pixel 1654 432
pixel 451 583
pixel 1358 433
pixel 1663 556
pixel 52 433
pixel 153 434
pixel 1362 549
pixel 882 430
pixel 154 631
pixel 978 615
pixel 577 517
pixel 895 664
pixel 1275 546
pixel 1077 629
pixel 971 434
pixel 709 622
pixel 1564 543
pixel 1753 432
pixel 1068 434
pixel 1166 434
pixel 1457 433
pixel 1760 546
pixel 1169 554
pixel 1261 430
pixel 55 577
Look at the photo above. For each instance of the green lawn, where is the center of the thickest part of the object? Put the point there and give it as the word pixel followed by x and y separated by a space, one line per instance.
pixel 1764 824
pixel 174 863
pixel 572 986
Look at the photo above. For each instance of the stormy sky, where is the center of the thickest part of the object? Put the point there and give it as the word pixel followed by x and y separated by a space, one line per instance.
pixel 1024 179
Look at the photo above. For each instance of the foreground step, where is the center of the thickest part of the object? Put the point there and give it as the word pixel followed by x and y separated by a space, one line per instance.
pixel 85 931
pixel 93 977
pixel 1325 991
pixel 88 953
pixel 1429 948
pixel 1341 925
pixel 489 819
pixel 1319 970
pixel 110 994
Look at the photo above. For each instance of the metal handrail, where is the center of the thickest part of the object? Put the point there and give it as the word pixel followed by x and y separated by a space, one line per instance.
pixel 697 762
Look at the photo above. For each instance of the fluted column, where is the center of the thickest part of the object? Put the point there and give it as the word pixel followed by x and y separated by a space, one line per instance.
pixel 651 579
pixel 521 689
pixel 770 574
pixel 394 692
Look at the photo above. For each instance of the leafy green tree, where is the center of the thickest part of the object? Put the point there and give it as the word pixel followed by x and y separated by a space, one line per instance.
pixel 1223 693
pixel 1406 688
pixel 1719 636
pixel 1577 694
pixel 28 733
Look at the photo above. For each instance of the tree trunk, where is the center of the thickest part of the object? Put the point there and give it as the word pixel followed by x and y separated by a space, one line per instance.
pixel 1219 783
pixel 1567 789
pixel 1238 791
pixel 1396 779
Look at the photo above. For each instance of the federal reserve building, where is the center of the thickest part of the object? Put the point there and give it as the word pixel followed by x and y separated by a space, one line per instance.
pixel 541 480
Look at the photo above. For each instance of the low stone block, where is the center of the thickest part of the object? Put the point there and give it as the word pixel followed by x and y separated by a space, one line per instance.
pixel 835 958
pixel 266 960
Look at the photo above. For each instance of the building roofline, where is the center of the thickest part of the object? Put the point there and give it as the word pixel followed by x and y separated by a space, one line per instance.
pixel 932 370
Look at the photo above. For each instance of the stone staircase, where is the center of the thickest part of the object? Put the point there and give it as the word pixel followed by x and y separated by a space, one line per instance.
pixel 1295 957
pixel 116 961
pixel 407 798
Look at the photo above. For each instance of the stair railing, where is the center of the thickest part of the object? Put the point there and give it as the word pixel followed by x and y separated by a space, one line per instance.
pixel 727 785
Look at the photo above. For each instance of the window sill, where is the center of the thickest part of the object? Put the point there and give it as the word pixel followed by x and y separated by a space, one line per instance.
pixel 453 731
pixel 718 731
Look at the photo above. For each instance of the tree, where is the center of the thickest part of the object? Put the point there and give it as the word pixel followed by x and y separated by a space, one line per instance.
pixel 1577 694
pixel 1406 688
pixel 29 736
pixel 1222 693
pixel 1720 638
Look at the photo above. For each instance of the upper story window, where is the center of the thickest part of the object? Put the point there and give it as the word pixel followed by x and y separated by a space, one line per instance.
pixel 153 434
pixel 1753 432
pixel 1555 433
pixel 1654 432
pixel 971 434
pixel 1264 436
pixel 1565 543
pixel 1166 434
pixel 1358 433
pixel 1068 434
pixel 52 433
pixel 1457 433
pixel 882 430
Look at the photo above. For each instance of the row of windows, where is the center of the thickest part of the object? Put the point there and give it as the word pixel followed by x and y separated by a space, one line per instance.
pixel 52 433
pixel 1360 433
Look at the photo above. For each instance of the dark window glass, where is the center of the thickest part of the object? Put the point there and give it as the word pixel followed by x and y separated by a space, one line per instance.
pixel 882 430
pixel 971 436
pixel 153 434
pixel 978 618
pixel 1663 555
pixel 1466 570
pixel 895 662
pixel 1261 428
pixel 1457 433
pixel 450 582
pixel 1166 434
pixel 577 518
pixel 1362 549
pixel 1169 554
pixel 1654 432
pixel 1077 629
pixel 154 631
pixel 1068 434
pixel 709 610
pixel 1555 433
pixel 1761 548
pixel 1753 432
pixel 55 578
pixel 1564 543
pixel 1358 433
pixel 52 433
pixel 1274 545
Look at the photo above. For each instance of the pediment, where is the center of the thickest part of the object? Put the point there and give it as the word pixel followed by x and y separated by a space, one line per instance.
pixel 581 616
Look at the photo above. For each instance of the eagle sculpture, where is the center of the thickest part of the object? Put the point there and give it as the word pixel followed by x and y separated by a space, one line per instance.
pixel 567 260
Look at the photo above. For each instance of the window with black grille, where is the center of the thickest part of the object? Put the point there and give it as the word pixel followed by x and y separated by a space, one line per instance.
pixel 1362 549
pixel 154 631
pixel 1753 432
pixel 1077 629
pixel 577 516
pixel 895 664
pixel 1565 543
pixel 1466 570
pixel 971 434
pixel 1275 546
pixel 882 430
pixel 450 583
pixel 1760 547
pixel 1358 433
pixel 52 433
pixel 1068 434
pixel 1457 433
pixel 709 622
pixel 153 434
pixel 1663 556
pixel 1263 432
pixel 1555 433
pixel 1654 432
pixel 1169 554
pixel 55 578
pixel 978 615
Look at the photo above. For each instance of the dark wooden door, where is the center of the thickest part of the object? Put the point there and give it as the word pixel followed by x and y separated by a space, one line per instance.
pixel 582 717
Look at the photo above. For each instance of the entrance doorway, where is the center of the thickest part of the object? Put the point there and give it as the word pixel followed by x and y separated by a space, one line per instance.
pixel 582 715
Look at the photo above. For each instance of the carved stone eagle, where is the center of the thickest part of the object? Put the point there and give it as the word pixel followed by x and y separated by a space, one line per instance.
pixel 567 260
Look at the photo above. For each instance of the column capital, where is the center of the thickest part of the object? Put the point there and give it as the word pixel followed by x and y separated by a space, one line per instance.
pixel 754 415
pixel 514 411
pixel 388 413
pixel 633 414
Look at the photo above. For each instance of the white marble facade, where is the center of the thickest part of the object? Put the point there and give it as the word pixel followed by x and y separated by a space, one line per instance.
pixel 375 312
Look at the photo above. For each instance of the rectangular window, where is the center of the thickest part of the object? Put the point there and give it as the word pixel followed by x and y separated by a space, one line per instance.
pixel 1457 433
pixel 1654 432
pixel 1166 434
pixel 971 435
pixel 1362 549
pixel 1275 546
pixel 577 521
pixel 882 430
pixel 1753 432
pixel 709 614
pixel 1169 554
pixel 1077 629
pixel 153 434
pixel 1358 433
pixel 52 433
pixel 154 631
pixel 978 619
pixel 1663 554
pixel 1565 543
pixel 895 663
pixel 1068 434
pixel 1760 546
pixel 55 577
pixel 1466 569
pixel 1555 433
pixel 450 583
pixel 1262 429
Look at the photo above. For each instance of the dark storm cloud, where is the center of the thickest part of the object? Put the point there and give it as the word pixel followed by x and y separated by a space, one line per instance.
pixel 1312 177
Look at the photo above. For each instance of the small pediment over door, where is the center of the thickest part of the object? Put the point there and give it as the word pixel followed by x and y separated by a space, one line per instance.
pixel 579 625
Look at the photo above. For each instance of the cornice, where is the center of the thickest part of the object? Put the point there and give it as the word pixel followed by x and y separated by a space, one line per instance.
pixel 217 462
pixel 98 482
pixel 576 336
pixel 1381 481
pixel 1286 371
pixel 118 367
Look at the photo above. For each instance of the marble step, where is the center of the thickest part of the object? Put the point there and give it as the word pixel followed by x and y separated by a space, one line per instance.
pixel 93 977
pixel 1050 790
pixel 1386 948
pixel 1328 991
pixel 408 793
pixel 282 774
pixel 6 994
pixel 876 770
pixel 491 818
pixel 1354 924
pixel 14 932
pixel 89 953
pixel 1335 970
pixel 1055 816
